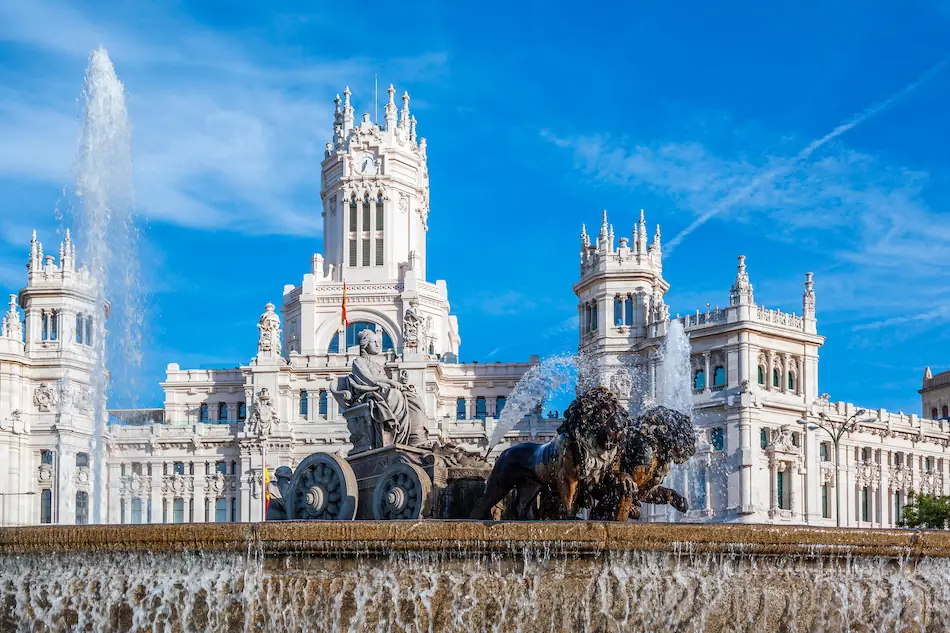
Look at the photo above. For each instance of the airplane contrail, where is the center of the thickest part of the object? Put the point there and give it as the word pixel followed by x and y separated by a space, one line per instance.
pixel 768 176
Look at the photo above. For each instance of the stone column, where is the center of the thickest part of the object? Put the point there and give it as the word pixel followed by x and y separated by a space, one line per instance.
pixel 771 371
pixel 113 513
pixel 706 377
pixel 198 494
pixel 155 494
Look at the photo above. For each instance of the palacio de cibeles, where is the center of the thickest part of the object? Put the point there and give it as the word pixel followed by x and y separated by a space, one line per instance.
pixel 354 474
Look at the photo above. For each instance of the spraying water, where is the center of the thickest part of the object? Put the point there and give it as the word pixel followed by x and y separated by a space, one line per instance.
pixel 673 374
pixel 552 377
pixel 104 213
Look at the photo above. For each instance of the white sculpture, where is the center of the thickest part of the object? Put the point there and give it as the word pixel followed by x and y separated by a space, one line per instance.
pixel 43 397
pixel 412 327
pixel 264 416
pixel 269 328
pixel 12 327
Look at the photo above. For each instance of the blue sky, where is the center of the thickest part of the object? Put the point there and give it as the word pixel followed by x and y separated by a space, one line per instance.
pixel 537 118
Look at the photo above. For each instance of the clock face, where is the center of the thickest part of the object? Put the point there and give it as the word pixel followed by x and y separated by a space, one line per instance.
pixel 366 164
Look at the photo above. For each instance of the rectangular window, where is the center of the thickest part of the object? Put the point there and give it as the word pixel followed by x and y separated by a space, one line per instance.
pixel 618 311
pixel 352 251
pixel 148 510
pixel 764 438
pixel 136 511
pixel 164 510
pixel 220 510
pixel 179 468
pixel 379 215
pixel 323 402
pixel 593 316
pixel 179 511
pixel 207 510
pixel 45 317
pixel 897 506
pixel 379 251
pixel 366 226
pixel 79 330
pixel 54 331
pixel 823 451
pixel 628 312
pixel 221 467
pixel 499 405
pixel 481 408
pixel 234 510
pixel 365 251
pixel 303 403
pixel 46 506
pixel 699 489
pixel 121 512
pixel 136 468
pixel 352 228
pixel 865 504
pixel 825 502
pixel 718 439
pixel 88 330
pixel 780 491
pixel 460 409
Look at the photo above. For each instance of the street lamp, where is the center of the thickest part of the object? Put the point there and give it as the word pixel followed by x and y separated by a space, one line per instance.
pixel 3 503
pixel 836 432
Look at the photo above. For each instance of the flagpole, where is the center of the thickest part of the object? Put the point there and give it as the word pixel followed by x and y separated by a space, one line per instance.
pixel 376 94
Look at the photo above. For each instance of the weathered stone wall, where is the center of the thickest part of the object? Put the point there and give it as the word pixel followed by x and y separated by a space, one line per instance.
pixel 468 576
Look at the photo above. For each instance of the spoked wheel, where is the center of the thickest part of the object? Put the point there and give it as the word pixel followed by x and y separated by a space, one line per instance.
pixel 324 489
pixel 402 493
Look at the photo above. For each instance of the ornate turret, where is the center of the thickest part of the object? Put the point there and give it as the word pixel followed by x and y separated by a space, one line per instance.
pixel 12 327
pixel 347 112
pixel 741 292
pixel 390 110
pixel 404 115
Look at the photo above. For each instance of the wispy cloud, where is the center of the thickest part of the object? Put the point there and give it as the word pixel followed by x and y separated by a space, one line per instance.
pixel 223 137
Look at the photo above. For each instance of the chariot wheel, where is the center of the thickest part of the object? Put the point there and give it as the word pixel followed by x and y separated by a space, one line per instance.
pixel 402 492
pixel 324 489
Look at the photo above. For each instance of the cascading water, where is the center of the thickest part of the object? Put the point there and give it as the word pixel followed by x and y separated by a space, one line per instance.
pixel 103 211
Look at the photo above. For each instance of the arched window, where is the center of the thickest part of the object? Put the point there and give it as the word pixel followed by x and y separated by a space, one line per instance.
pixel 88 340
pixel 46 506
pixel 242 411
pixel 353 337
pixel 365 229
pixel 719 376
pixel 628 313
pixel 379 229
pixel 203 413
pixel 323 402
pixel 593 316
pixel 776 378
pixel 699 379
pixel 460 409
pixel 82 460
pixel 791 381
pixel 933 413
pixel 79 328
pixel 946 411
pixel 618 311
pixel 82 508
pixel 54 327
pixel 352 230
pixel 761 375
pixel 303 403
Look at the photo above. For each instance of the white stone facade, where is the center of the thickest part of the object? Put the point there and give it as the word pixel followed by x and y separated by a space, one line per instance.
pixel 200 457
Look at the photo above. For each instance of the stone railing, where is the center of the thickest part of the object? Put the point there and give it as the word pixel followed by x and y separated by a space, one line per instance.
pixel 700 319
pixel 777 317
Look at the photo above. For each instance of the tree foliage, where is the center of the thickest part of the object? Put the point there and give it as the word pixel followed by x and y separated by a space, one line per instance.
pixel 926 511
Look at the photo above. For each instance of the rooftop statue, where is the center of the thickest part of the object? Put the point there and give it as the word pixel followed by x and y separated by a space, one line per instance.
pixel 393 413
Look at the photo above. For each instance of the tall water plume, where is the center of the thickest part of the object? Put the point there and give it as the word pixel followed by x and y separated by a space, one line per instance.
pixel 673 387
pixel 103 211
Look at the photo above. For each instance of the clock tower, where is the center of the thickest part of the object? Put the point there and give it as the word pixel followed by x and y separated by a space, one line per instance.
pixel 375 195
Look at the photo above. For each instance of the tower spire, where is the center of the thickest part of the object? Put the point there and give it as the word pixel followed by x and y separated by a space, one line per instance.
pixel 656 240
pixel 741 291
pixel 347 111
pixel 390 110
pixel 642 233
pixel 404 115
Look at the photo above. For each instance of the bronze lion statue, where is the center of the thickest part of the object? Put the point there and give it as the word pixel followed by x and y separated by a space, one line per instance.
pixel 581 453
pixel 655 440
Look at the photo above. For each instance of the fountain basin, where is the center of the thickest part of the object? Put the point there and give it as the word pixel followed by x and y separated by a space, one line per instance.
pixel 473 576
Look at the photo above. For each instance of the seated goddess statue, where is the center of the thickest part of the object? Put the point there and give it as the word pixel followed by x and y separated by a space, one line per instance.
pixel 396 412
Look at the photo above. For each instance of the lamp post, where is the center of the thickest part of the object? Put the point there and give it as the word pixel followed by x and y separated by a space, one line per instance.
pixel 836 432
pixel 3 503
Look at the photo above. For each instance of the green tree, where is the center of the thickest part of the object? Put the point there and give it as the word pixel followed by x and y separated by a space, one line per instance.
pixel 926 511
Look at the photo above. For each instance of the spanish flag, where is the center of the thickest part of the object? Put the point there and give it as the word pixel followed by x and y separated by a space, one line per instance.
pixel 266 491
pixel 343 317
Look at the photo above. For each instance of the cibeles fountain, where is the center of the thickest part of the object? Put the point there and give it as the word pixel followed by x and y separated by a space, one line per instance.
pixel 408 533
